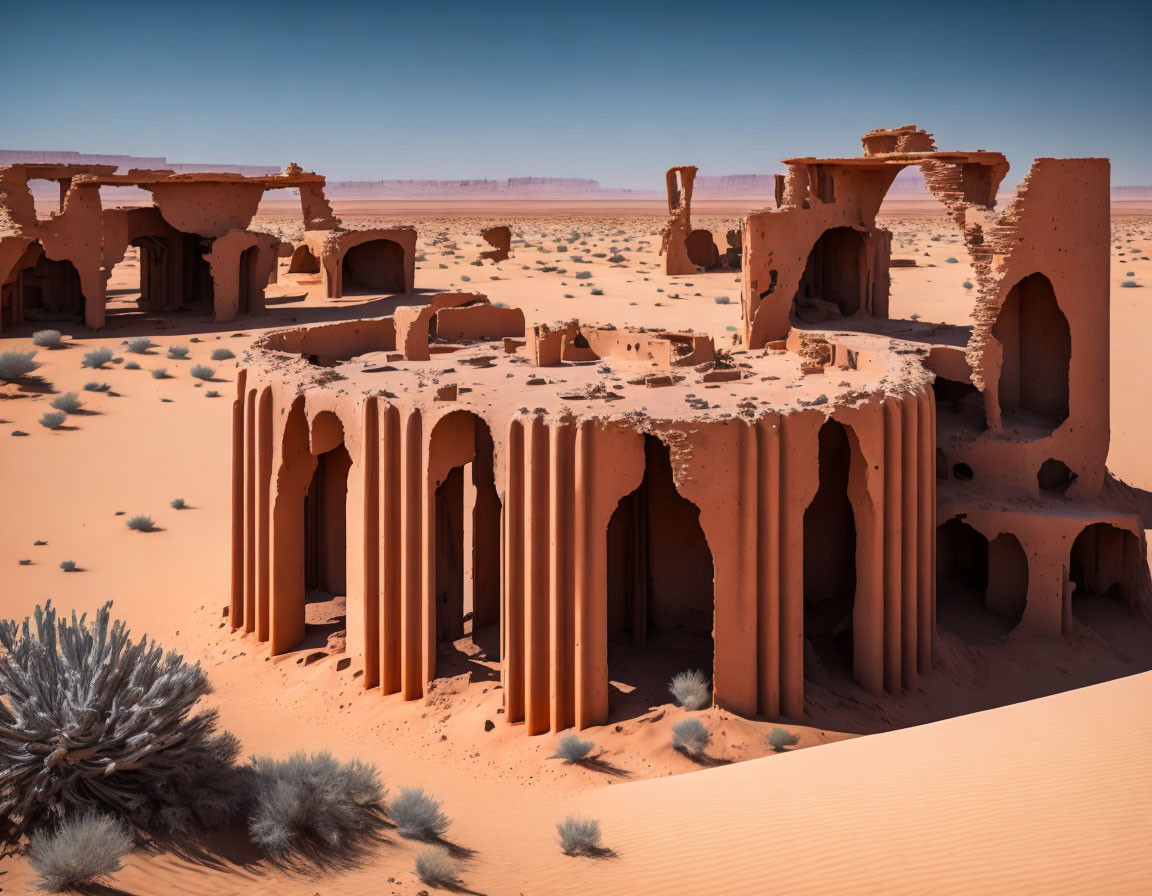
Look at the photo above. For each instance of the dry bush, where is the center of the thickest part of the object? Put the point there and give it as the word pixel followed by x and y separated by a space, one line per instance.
pixel 83 851
pixel 691 689
pixel 434 866
pixel 417 815
pixel 579 836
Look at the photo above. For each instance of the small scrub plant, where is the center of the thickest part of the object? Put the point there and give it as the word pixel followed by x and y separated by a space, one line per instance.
pixel 141 523
pixel 1129 284
pixel 135 746
pixel 69 403
pixel 97 358
pixel 131 365
pixel 178 504
pixel 967 284
pixel 782 738
pixel 597 291
pixel 950 260
pixel 690 736
pixel 202 371
pixel 690 689
pixel 53 419
pixel 84 851
pixel 579 836
pixel 722 300
pixel 14 365
pixel 211 393
pixel 434 867
pixel 178 352
pixel 222 354
pixel 160 373
pixel 139 345
pixel 417 815
pixel 583 275
pixel 47 338
pixel 312 800
pixel 95 386
pixel 68 565
pixel 572 748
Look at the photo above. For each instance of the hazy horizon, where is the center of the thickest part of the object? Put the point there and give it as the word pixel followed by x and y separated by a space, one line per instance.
pixel 617 94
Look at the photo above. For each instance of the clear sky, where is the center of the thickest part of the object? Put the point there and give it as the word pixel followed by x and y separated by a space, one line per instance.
pixel 616 91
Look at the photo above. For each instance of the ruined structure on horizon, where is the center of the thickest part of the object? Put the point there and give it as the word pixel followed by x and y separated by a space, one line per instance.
pixel 573 496
pixel 197 252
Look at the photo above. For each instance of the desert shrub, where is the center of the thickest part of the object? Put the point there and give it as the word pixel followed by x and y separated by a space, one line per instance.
pixel 579 836
pixel 68 565
pixel 690 736
pixel 14 365
pixel 47 338
pixel 202 371
pixel 465 278
pixel 222 354
pixel 53 419
pixel 211 393
pixel 583 275
pixel 691 689
pixel 97 358
pixel 434 866
pixel 1129 284
pixel 95 386
pixel 950 260
pixel 780 738
pixel 134 749
pixel 69 403
pixel 83 851
pixel 312 800
pixel 160 373
pixel 597 291
pixel 967 284
pixel 141 523
pixel 131 365
pixel 178 504
pixel 139 345
pixel 178 352
pixel 573 748
pixel 616 259
pixel 722 300
pixel 417 814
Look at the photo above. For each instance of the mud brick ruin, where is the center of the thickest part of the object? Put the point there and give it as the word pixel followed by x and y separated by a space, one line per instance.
pixel 807 502
pixel 197 252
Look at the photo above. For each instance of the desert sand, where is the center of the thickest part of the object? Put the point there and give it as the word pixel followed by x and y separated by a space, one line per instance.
pixel 1040 796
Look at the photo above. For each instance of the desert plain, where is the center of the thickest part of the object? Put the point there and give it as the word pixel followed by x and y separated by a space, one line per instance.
pixel 1030 774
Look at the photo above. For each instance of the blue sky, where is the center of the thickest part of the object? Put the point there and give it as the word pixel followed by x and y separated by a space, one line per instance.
pixel 614 91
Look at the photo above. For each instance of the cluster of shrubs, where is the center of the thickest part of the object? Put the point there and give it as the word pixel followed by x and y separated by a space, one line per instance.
pixel 165 774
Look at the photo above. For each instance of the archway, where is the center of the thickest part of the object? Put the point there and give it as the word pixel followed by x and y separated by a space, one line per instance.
pixel 830 558
pixel 325 546
pixel 981 586
pixel 660 589
pixel 468 564
pixel 250 287
pixel 835 278
pixel 374 266
pixel 41 289
pixel 303 261
pixel 1036 348
pixel 1102 566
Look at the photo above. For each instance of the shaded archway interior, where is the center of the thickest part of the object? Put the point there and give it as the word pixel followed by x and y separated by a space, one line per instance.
pixel 981 586
pixel 40 288
pixel 374 266
pixel 660 589
pixel 325 547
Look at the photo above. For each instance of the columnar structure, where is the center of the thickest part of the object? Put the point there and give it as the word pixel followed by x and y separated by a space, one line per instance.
pixel 807 503
pixel 197 251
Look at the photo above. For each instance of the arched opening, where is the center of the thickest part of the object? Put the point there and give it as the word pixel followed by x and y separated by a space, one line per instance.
pixel 250 288
pixel 981 587
pixel 1103 566
pixel 303 261
pixel 660 589
pixel 374 266
pixel 325 547
pixel 702 251
pixel 468 564
pixel 39 288
pixel 830 557
pixel 835 282
pixel 1036 347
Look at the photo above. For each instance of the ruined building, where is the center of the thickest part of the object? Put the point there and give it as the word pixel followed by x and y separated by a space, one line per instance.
pixel 197 252
pixel 578 495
